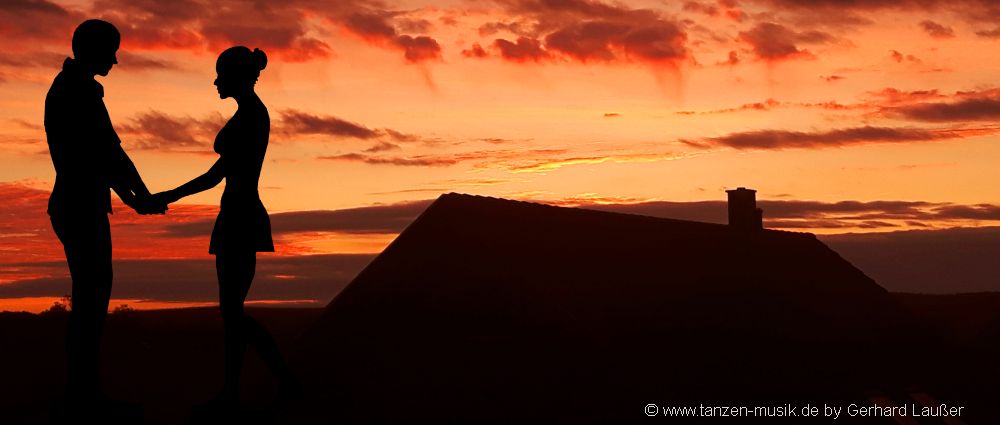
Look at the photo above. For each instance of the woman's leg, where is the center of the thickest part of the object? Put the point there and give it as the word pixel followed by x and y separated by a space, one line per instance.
pixel 236 272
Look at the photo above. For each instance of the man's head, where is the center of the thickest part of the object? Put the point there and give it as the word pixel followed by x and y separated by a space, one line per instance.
pixel 95 43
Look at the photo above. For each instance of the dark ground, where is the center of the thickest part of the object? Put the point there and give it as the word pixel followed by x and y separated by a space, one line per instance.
pixel 170 360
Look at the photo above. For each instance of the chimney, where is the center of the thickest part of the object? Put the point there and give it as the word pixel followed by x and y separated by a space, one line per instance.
pixel 743 211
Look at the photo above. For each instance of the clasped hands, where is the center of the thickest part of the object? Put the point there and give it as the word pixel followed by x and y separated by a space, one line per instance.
pixel 148 204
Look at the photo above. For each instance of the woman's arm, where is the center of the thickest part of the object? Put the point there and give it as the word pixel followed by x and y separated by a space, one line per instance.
pixel 206 181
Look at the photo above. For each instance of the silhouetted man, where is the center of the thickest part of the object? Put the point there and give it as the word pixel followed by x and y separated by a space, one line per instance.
pixel 89 161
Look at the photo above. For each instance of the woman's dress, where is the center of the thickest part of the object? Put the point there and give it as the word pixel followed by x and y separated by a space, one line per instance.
pixel 243 223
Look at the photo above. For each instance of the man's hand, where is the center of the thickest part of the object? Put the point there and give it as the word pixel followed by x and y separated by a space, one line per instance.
pixel 149 204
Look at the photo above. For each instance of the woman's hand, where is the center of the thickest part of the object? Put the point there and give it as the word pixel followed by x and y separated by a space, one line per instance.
pixel 164 198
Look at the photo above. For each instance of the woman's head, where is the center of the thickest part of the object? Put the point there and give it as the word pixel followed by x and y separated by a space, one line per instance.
pixel 238 69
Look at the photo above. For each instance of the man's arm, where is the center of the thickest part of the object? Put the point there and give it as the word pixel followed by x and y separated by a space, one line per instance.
pixel 129 185
pixel 127 176
pixel 206 181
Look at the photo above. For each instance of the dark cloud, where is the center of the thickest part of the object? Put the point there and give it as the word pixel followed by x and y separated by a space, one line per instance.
pixel 975 11
pixel 993 33
pixel 785 139
pixel 414 161
pixel 972 212
pixel 157 130
pixel 382 147
pixel 524 50
pixel 585 30
pixel 292 31
pixel 376 26
pixel 937 30
pixel 973 109
pixel 771 41
pixel 280 29
pixel 587 41
pixel 918 105
pixel 37 20
pixel 294 122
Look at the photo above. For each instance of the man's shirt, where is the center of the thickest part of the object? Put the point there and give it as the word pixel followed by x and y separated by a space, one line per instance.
pixel 82 142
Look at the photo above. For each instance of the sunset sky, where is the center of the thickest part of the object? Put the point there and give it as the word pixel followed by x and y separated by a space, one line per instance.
pixel 847 116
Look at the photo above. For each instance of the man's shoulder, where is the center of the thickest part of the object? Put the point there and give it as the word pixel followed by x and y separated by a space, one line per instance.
pixel 67 85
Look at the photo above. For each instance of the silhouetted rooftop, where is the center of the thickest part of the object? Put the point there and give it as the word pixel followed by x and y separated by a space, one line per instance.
pixel 485 300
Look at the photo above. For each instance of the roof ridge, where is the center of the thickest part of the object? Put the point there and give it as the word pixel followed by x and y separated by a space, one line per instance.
pixel 536 204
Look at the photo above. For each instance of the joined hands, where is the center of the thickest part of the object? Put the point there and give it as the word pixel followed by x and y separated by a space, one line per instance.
pixel 149 204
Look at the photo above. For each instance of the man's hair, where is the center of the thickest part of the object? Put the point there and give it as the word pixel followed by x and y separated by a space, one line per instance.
pixel 94 35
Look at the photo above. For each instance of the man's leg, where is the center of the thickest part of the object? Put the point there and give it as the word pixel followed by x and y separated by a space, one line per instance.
pixel 87 244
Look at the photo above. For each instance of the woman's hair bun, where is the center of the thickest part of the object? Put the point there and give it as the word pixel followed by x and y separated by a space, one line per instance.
pixel 259 58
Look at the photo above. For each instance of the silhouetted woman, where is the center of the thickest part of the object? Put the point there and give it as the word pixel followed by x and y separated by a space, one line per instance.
pixel 242 228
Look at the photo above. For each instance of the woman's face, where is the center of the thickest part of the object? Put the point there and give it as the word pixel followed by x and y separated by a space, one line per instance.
pixel 225 85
